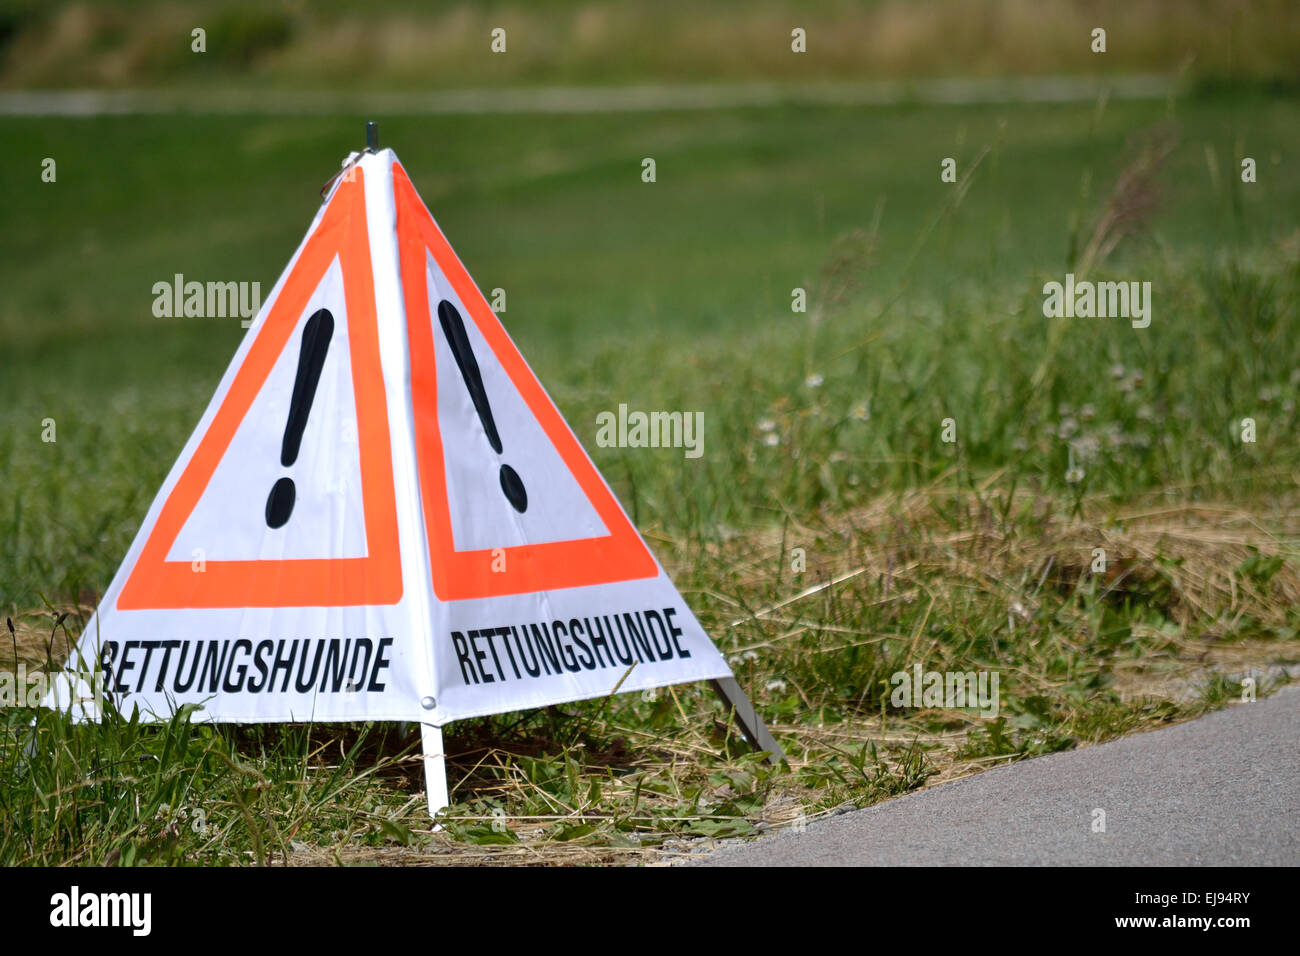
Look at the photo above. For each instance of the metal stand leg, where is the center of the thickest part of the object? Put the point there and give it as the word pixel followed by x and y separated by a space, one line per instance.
pixel 435 769
pixel 751 725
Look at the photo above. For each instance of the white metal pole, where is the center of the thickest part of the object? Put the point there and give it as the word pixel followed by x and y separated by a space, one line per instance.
pixel 435 769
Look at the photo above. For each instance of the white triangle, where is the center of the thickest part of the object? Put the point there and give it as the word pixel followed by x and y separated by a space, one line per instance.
pixel 228 522
pixel 483 517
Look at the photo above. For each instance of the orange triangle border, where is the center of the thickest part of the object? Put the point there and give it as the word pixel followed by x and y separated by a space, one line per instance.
pixel 462 575
pixel 155 583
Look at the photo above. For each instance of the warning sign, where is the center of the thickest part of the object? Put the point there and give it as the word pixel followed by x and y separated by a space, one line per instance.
pixel 302 425
pixel 479 407
pixel 382 515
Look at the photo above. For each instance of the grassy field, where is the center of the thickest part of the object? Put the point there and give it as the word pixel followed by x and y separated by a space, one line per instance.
pixel 822 432
pixel 447 43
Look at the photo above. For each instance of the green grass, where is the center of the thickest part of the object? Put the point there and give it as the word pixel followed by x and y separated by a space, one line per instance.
pixel 420 45
pixel 822 434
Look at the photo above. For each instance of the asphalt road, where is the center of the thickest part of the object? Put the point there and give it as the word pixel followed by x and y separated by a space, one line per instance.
pixel 1220 790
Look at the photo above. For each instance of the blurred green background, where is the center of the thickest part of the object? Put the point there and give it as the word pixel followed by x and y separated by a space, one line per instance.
pixel 441 45
pixel 925 296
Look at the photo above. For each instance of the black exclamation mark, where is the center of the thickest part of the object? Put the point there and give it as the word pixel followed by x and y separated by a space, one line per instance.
pixel 454 328
pixel 311 358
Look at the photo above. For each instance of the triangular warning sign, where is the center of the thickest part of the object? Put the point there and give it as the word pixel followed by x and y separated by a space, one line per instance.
pixel 383 516
pixel 330 279
pixel 440 296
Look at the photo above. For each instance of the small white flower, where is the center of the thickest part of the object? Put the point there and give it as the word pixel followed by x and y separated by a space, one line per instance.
pixel 771 438
pixel 766 425
pixel 777 685
pixel 1087 446
pixel 1073 474
pixel 814 380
